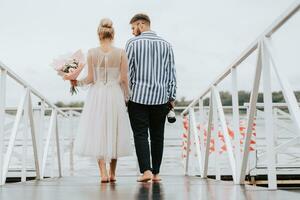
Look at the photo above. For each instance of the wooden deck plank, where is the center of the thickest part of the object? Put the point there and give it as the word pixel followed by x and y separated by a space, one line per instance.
pixel 126 187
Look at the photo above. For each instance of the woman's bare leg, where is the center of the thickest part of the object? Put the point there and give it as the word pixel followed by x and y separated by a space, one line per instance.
pixel 112 171
pixel 103 171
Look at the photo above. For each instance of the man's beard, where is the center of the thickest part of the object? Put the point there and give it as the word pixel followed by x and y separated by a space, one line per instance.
pixel 138 31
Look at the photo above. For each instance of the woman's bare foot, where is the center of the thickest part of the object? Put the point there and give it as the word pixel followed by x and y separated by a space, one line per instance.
pixel 156 178
pixel 104 180
pixel 147 176
pixel 103 172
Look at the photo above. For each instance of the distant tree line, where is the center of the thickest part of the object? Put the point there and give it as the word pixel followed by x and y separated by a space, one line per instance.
pixel 71 104
pixel 244 97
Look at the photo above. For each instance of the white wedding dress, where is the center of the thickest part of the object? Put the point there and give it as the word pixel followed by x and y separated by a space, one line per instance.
pixel 104 130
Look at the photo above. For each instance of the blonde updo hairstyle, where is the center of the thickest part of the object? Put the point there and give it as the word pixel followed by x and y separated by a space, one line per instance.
pixel 106 30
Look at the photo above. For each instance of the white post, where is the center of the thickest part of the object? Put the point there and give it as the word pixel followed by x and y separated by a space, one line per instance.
pixel 48 140
pixel 236 121
pixel 41 131
pixel 251 158
pixel 210 117
pixel 63 143
pixel 188 148
pixel 58 148
pixel 2 118
pixel 217 141
pixel 196 138
pixel 269 131
pixel 71 136
pixel 52 155
pixel 201 132
pixel 225 131
pixel 25 139
pixel 276 135
pixel 250 117
pixel 33 138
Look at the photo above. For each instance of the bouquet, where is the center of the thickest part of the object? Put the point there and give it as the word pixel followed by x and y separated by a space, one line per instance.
pixel 69 67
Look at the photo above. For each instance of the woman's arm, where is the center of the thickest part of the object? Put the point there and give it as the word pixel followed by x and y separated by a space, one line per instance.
pixel 124 76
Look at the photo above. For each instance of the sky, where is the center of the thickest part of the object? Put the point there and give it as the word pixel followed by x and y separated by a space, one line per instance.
pixel 206 37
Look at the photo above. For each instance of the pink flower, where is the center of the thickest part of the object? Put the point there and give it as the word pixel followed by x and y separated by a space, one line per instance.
pixel 74 73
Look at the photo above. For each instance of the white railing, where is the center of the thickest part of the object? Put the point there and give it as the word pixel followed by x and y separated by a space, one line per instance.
pixel 266 61
pixel 24 115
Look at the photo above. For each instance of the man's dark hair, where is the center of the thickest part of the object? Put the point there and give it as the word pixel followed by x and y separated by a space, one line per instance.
pixel 140 16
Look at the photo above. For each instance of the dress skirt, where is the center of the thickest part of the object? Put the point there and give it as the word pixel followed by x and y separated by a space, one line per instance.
pixel 104 129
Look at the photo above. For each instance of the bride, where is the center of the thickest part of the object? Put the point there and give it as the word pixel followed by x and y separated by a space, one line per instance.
pixel 104 129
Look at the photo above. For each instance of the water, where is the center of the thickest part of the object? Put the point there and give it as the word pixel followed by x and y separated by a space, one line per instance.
pixel 172 161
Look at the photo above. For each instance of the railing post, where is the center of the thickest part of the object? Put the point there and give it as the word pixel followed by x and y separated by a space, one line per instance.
pixel 188 146
pixel 236 121
pixel 2 118
pixel 250 117
pixel 216 139
pixel 196 138
pixel 25 139
pixel 71 135
pixel 224 127
pixel 33 137
pixel 272 179
pixel 58 147
pixel 276 135
pixel 48 141
pixel 52 154
pixel 201 132
pixel 209 124
pixel 41 127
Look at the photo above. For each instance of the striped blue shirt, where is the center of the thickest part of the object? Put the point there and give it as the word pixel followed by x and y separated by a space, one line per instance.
pixel 152 74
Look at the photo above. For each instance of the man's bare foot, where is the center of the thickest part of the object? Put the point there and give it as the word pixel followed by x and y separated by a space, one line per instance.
pixel 156 178
pixel 147 176
pixel 112 170
pixel 112 178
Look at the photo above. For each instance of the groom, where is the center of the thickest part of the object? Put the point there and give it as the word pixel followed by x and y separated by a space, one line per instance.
pixel 152 82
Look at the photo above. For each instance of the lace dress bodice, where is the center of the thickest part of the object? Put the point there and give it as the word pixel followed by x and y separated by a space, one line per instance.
pixel 106 65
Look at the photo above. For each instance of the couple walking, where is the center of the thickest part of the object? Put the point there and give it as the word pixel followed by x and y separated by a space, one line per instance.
pixel 141 77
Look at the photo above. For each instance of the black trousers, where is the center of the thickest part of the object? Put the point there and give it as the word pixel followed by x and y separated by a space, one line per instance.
pixel 145 119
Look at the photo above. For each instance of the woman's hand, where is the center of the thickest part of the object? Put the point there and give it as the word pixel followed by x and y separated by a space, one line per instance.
pixel 81 64
pixel 126 100
pixel 73 82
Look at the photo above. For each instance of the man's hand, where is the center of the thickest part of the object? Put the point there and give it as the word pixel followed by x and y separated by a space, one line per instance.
pixel 73 82
pixel 172 103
